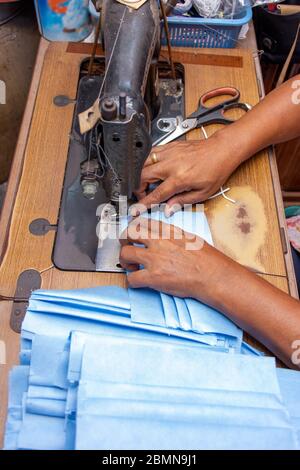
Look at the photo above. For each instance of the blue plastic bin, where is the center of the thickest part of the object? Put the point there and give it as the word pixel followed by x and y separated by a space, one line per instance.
pixel 206 32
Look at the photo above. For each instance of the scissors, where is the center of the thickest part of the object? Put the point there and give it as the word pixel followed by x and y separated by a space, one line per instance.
pixel 207 114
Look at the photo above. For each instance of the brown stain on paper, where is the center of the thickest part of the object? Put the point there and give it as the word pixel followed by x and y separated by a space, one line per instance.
pixel 240 229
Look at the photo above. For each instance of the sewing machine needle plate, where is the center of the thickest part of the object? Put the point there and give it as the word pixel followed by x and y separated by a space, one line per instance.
pixel 108 231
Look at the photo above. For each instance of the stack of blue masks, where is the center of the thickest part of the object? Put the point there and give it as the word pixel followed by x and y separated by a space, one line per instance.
pixel 111 368
pixel 95 391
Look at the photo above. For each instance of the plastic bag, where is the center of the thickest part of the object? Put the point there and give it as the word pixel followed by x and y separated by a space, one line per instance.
pixel 227 8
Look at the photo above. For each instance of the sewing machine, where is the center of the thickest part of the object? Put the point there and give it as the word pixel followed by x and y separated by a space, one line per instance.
pixel 48 233
pixel 127 102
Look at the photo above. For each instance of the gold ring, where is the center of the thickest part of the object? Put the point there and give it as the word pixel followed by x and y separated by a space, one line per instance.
pixel 154 158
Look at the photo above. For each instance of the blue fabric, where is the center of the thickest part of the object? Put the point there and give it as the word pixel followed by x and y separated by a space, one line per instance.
pixel 179 398
pixel 61 326
pixel 18 385
pixel 208 320
pixel 48 401
pixel 170 311
pixel 188 220
pixel 111 368
pixel 289 383
pixel 163 364
pixel 40 432
pixel 146 307
pixel 106 297
pixel 50 319
pixel 188 315
pixel 247 349
pixel 49 362
pixel 183 314
pixel 170 394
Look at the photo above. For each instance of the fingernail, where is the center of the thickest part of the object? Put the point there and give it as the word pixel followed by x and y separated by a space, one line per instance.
pixel 168 211
pixel 134 212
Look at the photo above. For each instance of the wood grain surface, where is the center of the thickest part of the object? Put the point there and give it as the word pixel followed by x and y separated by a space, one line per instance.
pixel 17 163
pixel 39 191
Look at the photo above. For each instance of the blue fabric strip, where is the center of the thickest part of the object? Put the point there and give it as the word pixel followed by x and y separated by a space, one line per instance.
pixel 170 311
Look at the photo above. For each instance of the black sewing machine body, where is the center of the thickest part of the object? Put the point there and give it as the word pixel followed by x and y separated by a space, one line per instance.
pixel 139 101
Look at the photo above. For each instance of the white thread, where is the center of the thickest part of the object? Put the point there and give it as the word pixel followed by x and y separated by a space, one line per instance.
pixel 112 51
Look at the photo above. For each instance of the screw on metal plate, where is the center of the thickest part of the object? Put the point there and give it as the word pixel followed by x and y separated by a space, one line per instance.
pixel 167 124
pixel 62 100
pixel 28 281
pixel 40 227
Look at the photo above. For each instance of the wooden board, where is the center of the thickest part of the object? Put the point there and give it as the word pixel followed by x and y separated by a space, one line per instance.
pixel 39 191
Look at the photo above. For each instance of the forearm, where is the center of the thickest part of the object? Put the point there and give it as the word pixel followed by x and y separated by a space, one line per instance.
pixel 275 119
pixel 204 273
pixel 255 305
pixel 259 308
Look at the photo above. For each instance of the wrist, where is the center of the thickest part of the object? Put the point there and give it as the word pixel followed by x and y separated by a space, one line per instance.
pixel 234 144
pixel 219 285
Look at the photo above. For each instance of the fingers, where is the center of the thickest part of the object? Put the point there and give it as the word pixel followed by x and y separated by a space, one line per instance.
pixel 132 255
pixel 138 278
pixel 176 203
pixel 144 230
pixel 138 231
pixel 148 231
pixel 130 267
pixel 160 194
pixel 155 172
pixel 151 174
pixel 157 166
pixel 161 153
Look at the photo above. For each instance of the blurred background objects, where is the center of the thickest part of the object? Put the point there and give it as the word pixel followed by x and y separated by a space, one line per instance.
pixel 19 39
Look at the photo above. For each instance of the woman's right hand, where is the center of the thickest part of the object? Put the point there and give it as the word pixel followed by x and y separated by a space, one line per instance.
pixel 189 171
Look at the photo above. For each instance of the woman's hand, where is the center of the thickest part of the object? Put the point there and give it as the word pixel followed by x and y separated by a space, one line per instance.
pixel 184 265
pixel 190 171
pixel 175 262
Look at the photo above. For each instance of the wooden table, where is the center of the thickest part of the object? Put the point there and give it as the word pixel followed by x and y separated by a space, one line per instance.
pixel 251 231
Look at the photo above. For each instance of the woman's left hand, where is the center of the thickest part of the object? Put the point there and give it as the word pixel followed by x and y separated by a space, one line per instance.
pixel 175 262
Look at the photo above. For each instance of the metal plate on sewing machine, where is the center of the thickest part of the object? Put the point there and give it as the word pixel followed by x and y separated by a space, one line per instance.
pixel 76 239
pixel 77 246
pixel 172 103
